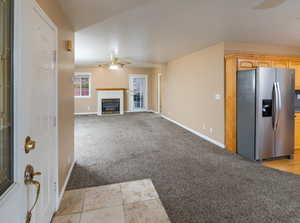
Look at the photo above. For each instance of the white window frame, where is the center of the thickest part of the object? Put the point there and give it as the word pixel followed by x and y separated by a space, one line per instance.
pixel 83 74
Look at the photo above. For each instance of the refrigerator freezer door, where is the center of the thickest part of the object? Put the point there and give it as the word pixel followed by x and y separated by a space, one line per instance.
pixel 284 133
pixel 246 114
pixel 265 79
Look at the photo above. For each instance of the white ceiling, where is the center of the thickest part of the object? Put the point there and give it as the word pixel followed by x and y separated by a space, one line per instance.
pixel 155 31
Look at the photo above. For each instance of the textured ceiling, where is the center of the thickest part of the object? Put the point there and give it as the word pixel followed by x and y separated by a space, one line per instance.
pixel 155 31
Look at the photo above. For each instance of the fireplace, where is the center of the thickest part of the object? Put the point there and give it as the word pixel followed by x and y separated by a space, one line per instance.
pixel 110 101
pixel 111 106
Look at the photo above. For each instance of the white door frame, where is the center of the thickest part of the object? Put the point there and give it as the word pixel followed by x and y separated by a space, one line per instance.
pixel 130 98
pixel 159 93
pixel 17 192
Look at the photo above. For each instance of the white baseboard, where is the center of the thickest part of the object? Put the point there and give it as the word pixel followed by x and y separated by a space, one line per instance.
pixel 195 132
pixel 139 111
pixel 86 113
pixel 154 111
pixel 65 184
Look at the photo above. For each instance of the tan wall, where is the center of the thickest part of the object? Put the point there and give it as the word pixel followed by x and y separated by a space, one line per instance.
pixel 189 86
pixel 65 88
pixel 104 78
pixel 266 49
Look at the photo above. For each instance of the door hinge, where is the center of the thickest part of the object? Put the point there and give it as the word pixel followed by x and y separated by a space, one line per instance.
pixel 55 187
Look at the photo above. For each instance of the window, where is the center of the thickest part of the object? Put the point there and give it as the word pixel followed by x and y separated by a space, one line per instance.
pixel 82 85
pixel 6 96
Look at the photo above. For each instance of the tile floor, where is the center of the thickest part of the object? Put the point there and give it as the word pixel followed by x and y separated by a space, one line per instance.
pixel 130 202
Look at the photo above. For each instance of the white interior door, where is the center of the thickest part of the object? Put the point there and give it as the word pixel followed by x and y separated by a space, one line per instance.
pixel 35 112
pixel 138 92
pixel 40 112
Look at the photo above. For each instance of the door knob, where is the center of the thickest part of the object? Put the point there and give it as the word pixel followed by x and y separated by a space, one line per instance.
pixel 29 144
pixel 29 180
pixel 30 174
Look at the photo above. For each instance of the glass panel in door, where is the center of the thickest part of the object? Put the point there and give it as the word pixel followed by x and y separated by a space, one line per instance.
pixel 139 92
pixel 6 114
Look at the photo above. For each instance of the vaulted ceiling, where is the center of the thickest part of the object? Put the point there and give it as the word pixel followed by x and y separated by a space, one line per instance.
pixel 156 31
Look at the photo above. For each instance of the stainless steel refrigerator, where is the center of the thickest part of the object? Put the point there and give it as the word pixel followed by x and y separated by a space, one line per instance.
pixel 265 113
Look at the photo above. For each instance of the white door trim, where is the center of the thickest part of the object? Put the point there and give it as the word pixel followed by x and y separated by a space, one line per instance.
pixel 130 106
pixel 159 93
pixel 65 184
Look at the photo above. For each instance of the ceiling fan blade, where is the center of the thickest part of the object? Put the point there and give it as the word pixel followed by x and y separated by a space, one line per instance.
pixel 124 62
pixel 127 59
pixel 268 4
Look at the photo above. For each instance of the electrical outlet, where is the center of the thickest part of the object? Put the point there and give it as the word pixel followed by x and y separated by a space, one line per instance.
pixel 211 131
pixel 298 96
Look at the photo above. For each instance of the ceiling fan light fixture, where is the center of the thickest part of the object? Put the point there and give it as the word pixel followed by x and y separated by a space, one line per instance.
pixel 114 64
pixel 114 67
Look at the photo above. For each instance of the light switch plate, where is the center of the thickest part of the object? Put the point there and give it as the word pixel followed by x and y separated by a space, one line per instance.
pixel 298 96
pixel 217 97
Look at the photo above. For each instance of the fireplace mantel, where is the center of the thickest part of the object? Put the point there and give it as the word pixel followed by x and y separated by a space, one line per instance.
pixel 110 93
pixel 111 89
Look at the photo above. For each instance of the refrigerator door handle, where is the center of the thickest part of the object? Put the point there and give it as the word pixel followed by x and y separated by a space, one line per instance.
pixel 278 103
pixel 274 106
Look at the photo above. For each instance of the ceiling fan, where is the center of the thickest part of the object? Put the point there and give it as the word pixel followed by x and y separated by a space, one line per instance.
pixel 269 4
pixel 115 63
